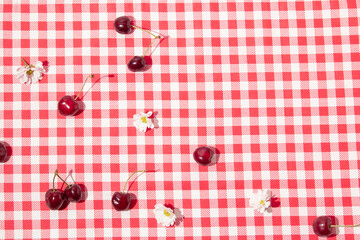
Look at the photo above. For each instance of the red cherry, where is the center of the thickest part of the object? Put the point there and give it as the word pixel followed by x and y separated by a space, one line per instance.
pixel 73 193
pixel 121 201
pixel 123 25
pixel 68 106
pixel 322 226
pixel 203 155
pixel 54 199
pixel 136 64
pixel 3 152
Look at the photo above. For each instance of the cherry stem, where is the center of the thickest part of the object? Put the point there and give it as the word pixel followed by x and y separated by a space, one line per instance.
pixel 150 45
pixel 54 180
pixel 57 174
pixel 144 30
pixel 90 76
pixel 26 64
pixel 345 225
pixel 130 177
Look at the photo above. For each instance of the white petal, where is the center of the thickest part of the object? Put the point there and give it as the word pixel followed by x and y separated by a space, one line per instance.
pixel 150 125
pixel 149 113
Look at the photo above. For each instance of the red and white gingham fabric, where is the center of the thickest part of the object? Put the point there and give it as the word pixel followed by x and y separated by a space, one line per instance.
pixel 274 86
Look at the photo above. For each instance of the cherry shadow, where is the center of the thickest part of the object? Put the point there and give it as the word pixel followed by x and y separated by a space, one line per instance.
pixel 133 23
pixel 85 192
pixel 82 186
pixel 216 156
pixel 178 214
pixel 46 65
pixel 81 105
pixel 159 42
pixel 275 202
pixel 335 230
pixel 132 182
pixel 133 202
pixel 8 150
pixel 149 62
pixel 96 81
pixel 154 119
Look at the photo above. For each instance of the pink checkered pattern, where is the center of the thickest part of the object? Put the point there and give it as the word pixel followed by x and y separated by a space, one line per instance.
pixel 274 86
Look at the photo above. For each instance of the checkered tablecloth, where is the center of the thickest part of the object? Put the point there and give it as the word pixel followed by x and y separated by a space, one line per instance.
pixel 274 86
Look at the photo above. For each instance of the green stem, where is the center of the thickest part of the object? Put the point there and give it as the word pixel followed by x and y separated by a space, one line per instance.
pixel 26 64
pixel 150 45
pixel 54 180
pixel 130 177
pixel 56 174
pixel 345 225
pixel 144 30
pixel 90 76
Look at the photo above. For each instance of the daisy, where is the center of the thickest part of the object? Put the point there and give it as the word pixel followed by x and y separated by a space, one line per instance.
pixel 30 73
pixel 165 216
pixel 142 121
pixel 261 200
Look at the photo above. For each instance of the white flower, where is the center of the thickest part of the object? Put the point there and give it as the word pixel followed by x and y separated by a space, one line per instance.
pixel 142 121
pixel 261 200
pixel 30 73
pixel 164 215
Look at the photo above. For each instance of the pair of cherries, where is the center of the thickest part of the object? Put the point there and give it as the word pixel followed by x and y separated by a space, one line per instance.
pixel 56 198
pixel 124 25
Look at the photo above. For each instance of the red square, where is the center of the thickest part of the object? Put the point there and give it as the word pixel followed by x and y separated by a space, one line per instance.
pixel 180 7
pixel 248 6
pixel 254 112
pixel 318 23
pixel 180 25
pixel 351 4
pixel 308 147
pixel 265 6
pixel 94 7
pixel 325 147
pixel 255 148
pixel 197 7
pixel 290 147
pixel 59 8
pixel 300 6
pixel 273 147
pixel 283 6
pixel 231 6
pixel 249 24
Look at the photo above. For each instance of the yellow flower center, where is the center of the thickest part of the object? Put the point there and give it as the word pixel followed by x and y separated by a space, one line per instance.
pixel 166 213
pixel 29 72
pixel 262 202
pixel 143 119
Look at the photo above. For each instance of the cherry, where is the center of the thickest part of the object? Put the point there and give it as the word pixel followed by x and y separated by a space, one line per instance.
pixel 136 64
pixel 120 200
pixel 70 106
pixel 3 152
pixel 54 199
pixel 73 193
pixel 123 25
pixel 322 226
pixel 203 155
